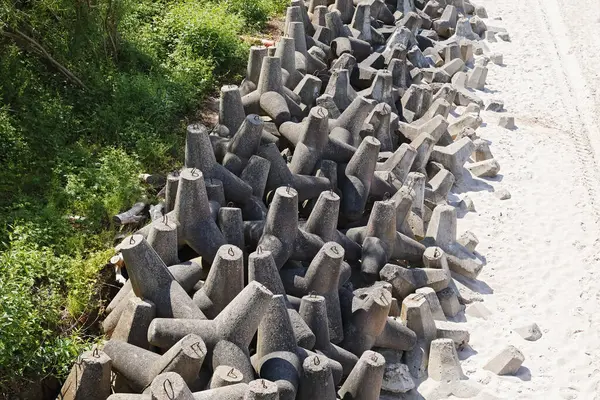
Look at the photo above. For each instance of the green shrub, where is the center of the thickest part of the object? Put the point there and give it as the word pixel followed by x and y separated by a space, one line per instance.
pixel 256 13
pixel 99 191
pixel 73 145
pixel 42 296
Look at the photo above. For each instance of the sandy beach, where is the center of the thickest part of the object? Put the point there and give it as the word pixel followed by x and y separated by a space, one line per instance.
pixel 542 246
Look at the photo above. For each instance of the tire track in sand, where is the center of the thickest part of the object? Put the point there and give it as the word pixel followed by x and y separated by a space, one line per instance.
pixel 585 136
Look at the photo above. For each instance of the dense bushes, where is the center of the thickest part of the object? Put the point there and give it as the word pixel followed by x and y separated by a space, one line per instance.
pixel 92 92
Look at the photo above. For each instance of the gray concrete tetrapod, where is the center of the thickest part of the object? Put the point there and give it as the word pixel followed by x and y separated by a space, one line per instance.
pixel 151 279
pixel 134 322
pixel 269 83
pixel 199 154
pixel 244 144
pixel 361 21
pixel 382 225
pixel 224 282
pixel 256 175
pixel 232 392
pixel 197 228
pixel 187 274
pixel 441 232
pixel 401 161
pixel 255 60
pixel 364 382
pixel 281 227
pixel 381 89
pixel 286 50
pixel 262 389
pixel 380 119
pixel 322 278
pixel 224 375
pixel 262 268
pixel 323 220
pixel 405 281
pixel 231 109
pixel 316 381
pixel 345 9
pixel 170 386
pixel 226 353
pixel 369 325
pixel 356 179
pixel 313 311
pixel 167 386
pixel 303 57
pixel 231 223
pixel 308 89
pixel 340 89
pixel 334 150
pixel 276 358
pixel 307 186
pixel 352 119
pixel 171 191
pixel 141 366
pixel 164 240
pixel 237 323
pixel 89 378
pixel 312 139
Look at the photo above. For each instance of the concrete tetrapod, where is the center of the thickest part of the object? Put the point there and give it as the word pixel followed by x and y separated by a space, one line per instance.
pixel 244 144
pixel 139 367
pixel 307 186
pixel 231 224
pixel 322 277
pixel 134 322
pixel 262 268
pixel 270 82
pixel 352 120
pixel 199 154
pixel 312 138
pixel 256 175
pixel 281 227
pixel 89 377
pixel 394 245
pixel 316 381
pixel 286 50
pixel 380 118
pixel 224 375
pixel 224 282
pixel 229 354
pixel 313 311
pixel 237 323
pixel 442 233
pixel 262 389
pixel 150 279
pixel 163 239
pixel 405 281
pixel 277 357
pixel 355 182
pixel 196 226
pixel 368 324
pixel 323 220
pixel 311 132
pixel 166 386
pixel 364 382
pixel 187 274
pixel 231 109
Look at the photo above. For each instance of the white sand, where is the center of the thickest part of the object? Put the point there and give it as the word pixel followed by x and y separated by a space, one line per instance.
pixel 543 245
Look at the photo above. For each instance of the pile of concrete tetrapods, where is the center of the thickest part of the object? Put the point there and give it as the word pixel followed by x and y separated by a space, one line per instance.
pixel 308 249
